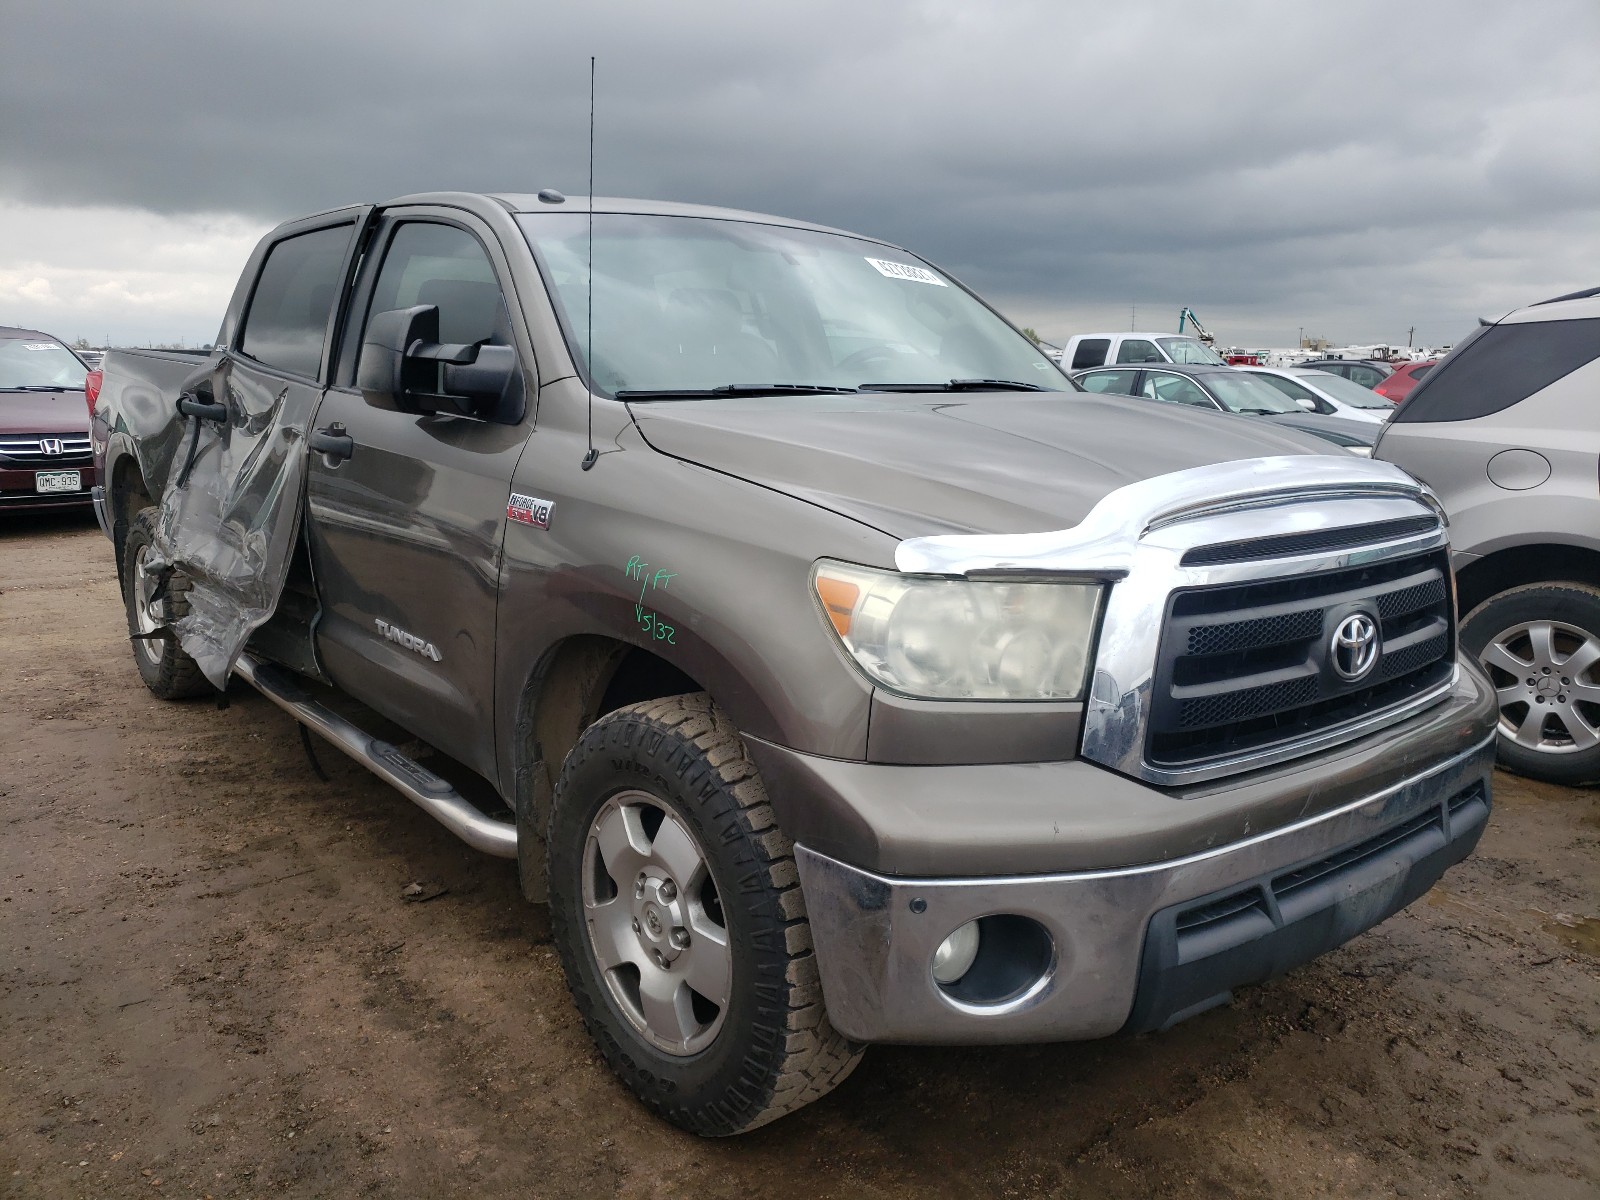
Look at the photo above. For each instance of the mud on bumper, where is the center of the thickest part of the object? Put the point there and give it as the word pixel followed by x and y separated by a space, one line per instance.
pixel 1086 954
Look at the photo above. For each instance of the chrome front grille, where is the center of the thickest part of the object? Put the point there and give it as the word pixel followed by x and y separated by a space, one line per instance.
pixel 1246 668
pixel 45 450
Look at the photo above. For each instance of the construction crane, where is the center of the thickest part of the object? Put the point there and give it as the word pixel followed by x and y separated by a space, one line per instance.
pixel 1187 314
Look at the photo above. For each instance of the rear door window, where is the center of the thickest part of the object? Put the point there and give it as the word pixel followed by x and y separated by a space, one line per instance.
pixel 1504 365
pixel 294 299
pixel 1138 350
pixel 1091 352
pixel 1367 377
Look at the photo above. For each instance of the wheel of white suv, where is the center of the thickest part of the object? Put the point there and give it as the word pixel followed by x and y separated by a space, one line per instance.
pixel 165 668
pixel 1541 647
pixel 676 909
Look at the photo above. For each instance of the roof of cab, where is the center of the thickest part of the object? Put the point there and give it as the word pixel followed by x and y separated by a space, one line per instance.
pixel 11 333
pixel 1139 333
pixel 524 203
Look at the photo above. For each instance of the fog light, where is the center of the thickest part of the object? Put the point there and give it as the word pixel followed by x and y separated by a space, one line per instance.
pixel 953 958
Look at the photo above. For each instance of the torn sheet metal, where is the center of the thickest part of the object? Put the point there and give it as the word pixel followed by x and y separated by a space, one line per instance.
pixel 231 510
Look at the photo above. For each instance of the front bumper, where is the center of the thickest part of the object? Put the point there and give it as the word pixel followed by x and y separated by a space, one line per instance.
pixel 1140 947
pixel 17 489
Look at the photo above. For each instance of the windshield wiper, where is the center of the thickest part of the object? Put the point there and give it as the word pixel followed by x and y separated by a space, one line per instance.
pixel 734 389
pixel 958 385
pixel 38 387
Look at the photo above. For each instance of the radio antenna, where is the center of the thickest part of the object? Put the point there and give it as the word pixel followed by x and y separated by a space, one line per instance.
pixel 593 456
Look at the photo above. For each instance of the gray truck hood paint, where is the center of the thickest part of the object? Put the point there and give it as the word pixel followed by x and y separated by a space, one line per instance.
pixel 911 465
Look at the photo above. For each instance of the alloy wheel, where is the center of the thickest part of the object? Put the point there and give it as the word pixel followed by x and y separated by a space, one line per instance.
pixel 655 922
pixel 1546 684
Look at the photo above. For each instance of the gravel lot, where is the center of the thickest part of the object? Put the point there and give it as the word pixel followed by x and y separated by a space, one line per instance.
pixel 213 983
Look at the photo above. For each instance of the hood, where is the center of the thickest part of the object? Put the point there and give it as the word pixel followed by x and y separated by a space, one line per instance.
pixel 912 465
pixel 1360 433
pixel 44 412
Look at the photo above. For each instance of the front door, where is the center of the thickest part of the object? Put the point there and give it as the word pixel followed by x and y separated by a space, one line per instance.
pixel 406 529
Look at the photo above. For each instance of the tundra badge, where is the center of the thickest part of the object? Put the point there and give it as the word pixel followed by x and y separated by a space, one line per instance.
pixel 409 640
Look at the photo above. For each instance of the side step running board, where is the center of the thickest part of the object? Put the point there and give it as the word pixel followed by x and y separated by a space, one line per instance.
pixel 418 784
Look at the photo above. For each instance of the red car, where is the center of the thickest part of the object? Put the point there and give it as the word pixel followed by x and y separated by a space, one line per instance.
pixel 45 458
pixel 1398 386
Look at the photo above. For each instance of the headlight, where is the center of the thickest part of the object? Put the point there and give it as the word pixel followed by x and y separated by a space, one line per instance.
pixel 956 639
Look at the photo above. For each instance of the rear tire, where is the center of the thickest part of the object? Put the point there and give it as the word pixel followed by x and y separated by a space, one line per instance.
pixel 707 908
pixel 165 668
pixel 1540 645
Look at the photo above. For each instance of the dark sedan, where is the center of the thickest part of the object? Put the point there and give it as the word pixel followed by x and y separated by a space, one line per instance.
pixel 1368 372
pixel 45 457
pixel 1224 389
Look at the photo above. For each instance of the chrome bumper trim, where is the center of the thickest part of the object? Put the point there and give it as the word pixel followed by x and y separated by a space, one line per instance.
pixel 874 945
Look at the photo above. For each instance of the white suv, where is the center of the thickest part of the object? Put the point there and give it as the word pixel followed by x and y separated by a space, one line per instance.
pixel 1506 430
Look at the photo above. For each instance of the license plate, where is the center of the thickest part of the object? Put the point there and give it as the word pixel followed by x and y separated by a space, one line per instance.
pixel 57 481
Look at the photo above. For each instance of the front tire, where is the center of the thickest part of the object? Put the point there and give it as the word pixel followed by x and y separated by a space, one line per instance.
pixel 1540 645
pixel 676 909
pixel 165 668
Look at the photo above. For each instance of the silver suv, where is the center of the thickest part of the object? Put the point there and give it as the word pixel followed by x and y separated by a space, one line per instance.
pixel 1506 430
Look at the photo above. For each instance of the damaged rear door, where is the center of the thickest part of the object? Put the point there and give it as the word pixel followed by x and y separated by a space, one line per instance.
pixel 231 511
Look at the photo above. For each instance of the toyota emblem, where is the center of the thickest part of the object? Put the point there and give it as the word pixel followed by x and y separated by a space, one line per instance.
pixel 1354 646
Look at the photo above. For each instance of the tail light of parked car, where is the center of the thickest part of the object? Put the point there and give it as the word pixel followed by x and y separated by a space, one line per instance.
pixel 91 388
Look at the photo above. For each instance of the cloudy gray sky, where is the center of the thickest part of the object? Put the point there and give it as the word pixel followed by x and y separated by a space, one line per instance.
pixel 1354 168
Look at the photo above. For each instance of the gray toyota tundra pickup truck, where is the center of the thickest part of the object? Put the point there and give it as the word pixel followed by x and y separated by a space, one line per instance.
pixel 840 672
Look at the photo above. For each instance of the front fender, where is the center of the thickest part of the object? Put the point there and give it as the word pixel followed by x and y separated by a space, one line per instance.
pixel 708 572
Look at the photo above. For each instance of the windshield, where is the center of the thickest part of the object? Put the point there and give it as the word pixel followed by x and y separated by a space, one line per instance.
pixel 1243 393
pixel 1344 391
pixel 38 364
pixel 1187 350
pixel 689 304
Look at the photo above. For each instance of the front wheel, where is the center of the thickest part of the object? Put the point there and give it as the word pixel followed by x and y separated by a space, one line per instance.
pixel 676 908
pixel 1540 645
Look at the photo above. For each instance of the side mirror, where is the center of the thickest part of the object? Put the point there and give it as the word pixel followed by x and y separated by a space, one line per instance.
pixel 404 366
pixel 1306 403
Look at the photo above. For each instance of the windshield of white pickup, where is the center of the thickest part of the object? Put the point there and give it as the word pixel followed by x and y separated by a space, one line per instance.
pixel 691 304
pixel 1187 350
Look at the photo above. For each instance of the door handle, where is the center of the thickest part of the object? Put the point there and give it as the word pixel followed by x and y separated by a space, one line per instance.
pixel 192 405
pixel 333 441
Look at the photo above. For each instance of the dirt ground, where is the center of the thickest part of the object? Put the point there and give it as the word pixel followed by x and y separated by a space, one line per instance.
pixel 212 983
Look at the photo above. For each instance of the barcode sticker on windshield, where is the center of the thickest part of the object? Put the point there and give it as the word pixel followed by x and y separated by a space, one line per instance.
pixel 896 270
